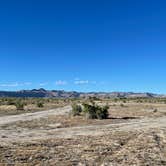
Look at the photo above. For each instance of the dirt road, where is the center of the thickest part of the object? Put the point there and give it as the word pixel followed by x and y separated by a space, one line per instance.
pixel 30 116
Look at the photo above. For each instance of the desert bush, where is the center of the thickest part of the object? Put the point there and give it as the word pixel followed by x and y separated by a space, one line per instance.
pixel 76 110
pixel 10 102
pixel 124 101
pixel 102 112
pixel 122 105
pixel 19 105
pixel 115 100
pixel 95 112
pixel 40 104
pixel 89 111
pixel 155 110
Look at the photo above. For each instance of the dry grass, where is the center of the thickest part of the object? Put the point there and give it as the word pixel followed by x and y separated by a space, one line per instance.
pixel 30 108
pixel 137 110
pixel 117 148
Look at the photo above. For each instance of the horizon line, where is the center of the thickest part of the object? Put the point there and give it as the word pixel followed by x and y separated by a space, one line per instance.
pixel 135 92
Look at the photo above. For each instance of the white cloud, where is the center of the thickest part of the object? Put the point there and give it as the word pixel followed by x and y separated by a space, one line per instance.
pixel 78 81
pixel 60 82
pixel 15 84
pixel 81 82
pixel 43 84
pixel 9 85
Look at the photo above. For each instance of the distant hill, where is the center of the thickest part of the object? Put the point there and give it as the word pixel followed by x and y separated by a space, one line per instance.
pixel 64 94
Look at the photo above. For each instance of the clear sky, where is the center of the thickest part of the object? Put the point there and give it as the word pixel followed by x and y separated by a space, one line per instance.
pixel 83 45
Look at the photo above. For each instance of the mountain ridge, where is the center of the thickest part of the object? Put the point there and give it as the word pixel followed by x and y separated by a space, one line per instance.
pixel 74 94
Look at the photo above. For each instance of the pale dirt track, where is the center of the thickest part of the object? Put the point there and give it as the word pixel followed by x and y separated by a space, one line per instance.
pixel 21 134
pixel 30 116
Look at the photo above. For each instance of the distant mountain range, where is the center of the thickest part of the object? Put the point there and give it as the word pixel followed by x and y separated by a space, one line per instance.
pixel 64 94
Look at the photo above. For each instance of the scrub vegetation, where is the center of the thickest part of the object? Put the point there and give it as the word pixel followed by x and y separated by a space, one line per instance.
pixel 87 131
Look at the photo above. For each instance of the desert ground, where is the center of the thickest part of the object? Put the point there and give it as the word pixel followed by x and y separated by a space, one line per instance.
pixel 134 134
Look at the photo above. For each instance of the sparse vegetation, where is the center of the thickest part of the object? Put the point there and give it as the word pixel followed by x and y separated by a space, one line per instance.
pixel 76 110
pixel 122 105
pixel 155 110
pixel 95 141
pixel 90 110
pixel 19 105
pixel 40 104
pixel 13 106
pixel 95 112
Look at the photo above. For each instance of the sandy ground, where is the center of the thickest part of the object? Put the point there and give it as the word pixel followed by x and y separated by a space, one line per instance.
pixel 140 141
pixel 24 134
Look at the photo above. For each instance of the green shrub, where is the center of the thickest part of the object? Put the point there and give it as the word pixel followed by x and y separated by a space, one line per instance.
pixel 155 110
pixel 10 102
pixel 89 111
pixel 124 101
pixel 40 104
pixel 102 112
pixel 19 105
pixel 76 110
pixel 95 112
pixel 122 105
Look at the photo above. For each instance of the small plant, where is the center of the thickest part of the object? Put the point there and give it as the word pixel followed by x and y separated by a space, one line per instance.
pixel 115 100
pixel 10 102
pixel 76 110
pixel 19 105
pixel 122 105
pixel 40 104
pixel 155 110
pixel 124 101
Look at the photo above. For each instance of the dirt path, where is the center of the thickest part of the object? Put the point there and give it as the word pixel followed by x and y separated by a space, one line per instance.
pixel 30 116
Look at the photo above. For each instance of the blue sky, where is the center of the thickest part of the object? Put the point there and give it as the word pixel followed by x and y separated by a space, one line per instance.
pixel 83 45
